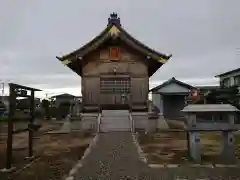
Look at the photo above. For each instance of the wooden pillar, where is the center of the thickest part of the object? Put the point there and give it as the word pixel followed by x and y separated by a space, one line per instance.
pixel 31 122
pixel 12 106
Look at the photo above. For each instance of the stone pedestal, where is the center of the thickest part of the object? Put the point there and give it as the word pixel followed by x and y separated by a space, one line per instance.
pixel 194 146
pixel 228 152
pixel 151 123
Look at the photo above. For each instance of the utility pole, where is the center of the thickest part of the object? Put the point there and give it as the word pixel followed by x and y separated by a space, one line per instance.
pixel 2 89
pixel 2 86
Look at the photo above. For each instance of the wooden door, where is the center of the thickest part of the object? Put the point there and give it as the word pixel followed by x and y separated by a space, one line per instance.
pixel 139 90
pixel 115 92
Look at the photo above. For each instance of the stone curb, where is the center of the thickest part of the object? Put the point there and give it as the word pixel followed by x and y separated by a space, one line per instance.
pixel 79 165
pixel 11 170
pixel 202 165
pixel 139 149
pixel 194 165
pixel 227 165
pixel 196 179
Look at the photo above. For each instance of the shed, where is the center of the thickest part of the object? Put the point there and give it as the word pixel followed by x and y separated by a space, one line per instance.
pixel 170 97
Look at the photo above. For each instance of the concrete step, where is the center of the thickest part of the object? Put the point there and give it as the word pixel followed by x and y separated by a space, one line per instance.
pixel 115 125
pixel 115 118
pixel 109 121
pixel 104 129
pixel 115 113
pixel 89 115
pixel 139 118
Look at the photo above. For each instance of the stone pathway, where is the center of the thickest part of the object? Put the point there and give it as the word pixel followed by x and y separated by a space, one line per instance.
pixel 115 157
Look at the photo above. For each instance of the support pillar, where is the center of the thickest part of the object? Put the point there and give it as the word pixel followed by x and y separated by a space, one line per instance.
pixel 231 119
pixel 194 146
pixel 161 108
pixel 192 120
pixel 228 152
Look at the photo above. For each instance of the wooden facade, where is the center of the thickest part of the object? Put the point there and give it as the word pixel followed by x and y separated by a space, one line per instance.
pixel 115 69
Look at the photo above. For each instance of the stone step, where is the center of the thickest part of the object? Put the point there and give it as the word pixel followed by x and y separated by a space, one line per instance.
pixel 114 122
pixel 105 129
pixel 127 124
pixel 139 118
pixel 115 112
pixel 115 118
pixel 112 115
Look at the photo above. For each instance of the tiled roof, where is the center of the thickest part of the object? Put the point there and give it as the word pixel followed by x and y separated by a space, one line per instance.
pixel 210 108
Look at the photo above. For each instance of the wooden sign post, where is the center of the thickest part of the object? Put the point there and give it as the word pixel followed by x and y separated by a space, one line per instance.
pixel 15 91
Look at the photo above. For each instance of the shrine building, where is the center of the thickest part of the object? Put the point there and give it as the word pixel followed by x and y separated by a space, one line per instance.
pixel 115 69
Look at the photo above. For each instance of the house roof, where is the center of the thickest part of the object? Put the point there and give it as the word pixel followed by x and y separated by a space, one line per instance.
pixel 113 31
pixel 228 72
pixel 23 87
pixel 63 95
pixel 207 88
pixel 210 108
pixel 172 80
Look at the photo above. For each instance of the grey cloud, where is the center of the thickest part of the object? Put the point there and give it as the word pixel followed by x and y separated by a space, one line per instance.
pixel 203 36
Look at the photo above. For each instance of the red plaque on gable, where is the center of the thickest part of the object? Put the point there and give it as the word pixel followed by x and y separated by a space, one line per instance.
pixel 114 53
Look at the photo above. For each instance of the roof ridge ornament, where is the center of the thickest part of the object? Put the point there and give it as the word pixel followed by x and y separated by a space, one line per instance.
pixel 114 19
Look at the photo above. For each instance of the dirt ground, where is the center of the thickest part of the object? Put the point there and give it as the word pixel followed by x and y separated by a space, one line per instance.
pixel 171 148
pixel 55 153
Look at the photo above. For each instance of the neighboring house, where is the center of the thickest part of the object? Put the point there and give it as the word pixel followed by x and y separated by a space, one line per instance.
pixel 170 97
pixel 206 89
pixel 79 99
pixel 203 91
pixel 5 100
pixel 229 79
pixel 63 98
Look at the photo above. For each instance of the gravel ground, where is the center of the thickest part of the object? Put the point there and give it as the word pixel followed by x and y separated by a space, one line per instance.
pixel 20 141
pixel 51 167
pixel 57 152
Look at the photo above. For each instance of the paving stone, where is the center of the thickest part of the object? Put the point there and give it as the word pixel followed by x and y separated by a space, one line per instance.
pixel 156 165
pixel 172 165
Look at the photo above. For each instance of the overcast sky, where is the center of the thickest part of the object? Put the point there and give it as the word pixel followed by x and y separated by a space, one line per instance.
pixel 203 37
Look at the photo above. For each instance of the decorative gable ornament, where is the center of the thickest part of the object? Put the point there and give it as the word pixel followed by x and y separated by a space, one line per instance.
pixel 114 31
